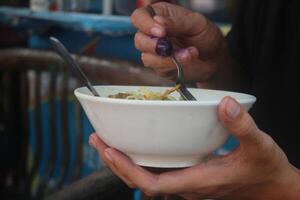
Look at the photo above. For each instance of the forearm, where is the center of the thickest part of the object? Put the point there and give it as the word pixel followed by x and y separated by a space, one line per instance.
pixel 285 186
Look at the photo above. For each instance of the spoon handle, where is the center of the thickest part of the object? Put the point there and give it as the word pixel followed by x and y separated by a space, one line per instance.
pixel 63 52
pixel 164 48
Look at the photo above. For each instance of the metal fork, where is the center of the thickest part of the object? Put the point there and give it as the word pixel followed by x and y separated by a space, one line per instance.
pixel 184 92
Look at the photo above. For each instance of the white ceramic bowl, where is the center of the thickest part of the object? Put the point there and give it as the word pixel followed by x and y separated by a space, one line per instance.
pixel 164 134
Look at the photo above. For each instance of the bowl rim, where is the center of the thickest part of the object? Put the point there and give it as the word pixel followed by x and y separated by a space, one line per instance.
pixel 250 98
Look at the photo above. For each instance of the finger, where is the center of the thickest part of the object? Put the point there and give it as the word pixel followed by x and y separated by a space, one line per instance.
pixel 145 43
pixel 172 182
pixel 238 121
pixel 100 146
pixel 158 62
pixel 183 56
pixel 135 174
pixel 190 196
pixel 189 179
pixel 142 20
pixel 186 55
pixel 97 143
pixel 164 66
pixel 171 75
pixel 177 21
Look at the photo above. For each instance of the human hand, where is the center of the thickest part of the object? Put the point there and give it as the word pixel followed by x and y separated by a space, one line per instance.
pixel 258 169
pixel 198 43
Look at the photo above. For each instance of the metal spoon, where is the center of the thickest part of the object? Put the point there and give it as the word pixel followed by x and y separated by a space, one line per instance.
pixel 63 52
pixel 184 92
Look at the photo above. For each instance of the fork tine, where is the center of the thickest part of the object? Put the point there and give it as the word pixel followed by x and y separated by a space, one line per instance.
pixel 184 92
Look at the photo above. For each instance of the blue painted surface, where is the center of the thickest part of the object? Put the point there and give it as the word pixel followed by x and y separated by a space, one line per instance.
pixel 108 25
pixel 75 30
pixel 137 195
pixel 90 157
pixel 91 161
pixel 59 145
pixel 45 138
pixel 121 47
pixel 72 141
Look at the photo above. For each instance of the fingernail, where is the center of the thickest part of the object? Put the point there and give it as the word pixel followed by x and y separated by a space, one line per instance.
pixel 156 31
pixel 193 51
pixel 182 55
pixel 232 108
pixel 108 156
pixel 159 19
pixel 91 142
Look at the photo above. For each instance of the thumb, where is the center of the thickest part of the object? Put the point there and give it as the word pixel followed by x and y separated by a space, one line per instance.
pixel 186 55
pixel 238 121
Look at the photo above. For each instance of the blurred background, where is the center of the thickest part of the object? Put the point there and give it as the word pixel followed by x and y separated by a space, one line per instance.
pixel 43 131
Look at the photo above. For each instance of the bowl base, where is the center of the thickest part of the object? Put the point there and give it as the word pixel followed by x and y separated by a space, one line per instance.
pixel 165 161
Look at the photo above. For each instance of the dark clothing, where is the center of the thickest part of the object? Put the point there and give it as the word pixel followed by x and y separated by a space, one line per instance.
pixel 265 40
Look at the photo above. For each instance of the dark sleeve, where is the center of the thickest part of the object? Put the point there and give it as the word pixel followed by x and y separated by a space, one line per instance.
pixel 242 37
pixel 236 37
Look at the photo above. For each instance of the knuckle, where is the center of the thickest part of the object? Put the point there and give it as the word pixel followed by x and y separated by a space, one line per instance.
pixel 268 145
pixel 145 60
pixel 150 192
pixel 131 185
pixel 247 127
pixel 146 64
pixel 161 5
pixel 134 17
pixel 203 22
pixel 150 61
pixel 137 41
pixel 171 75
pixel 162 73
pixel 163 63
pixel 268 152
pixel 150 188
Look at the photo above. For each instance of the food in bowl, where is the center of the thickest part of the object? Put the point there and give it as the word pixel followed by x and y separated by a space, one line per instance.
pixel 166 134
pixel 144 93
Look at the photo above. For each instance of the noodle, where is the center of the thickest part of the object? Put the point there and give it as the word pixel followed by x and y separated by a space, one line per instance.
pixel 145 94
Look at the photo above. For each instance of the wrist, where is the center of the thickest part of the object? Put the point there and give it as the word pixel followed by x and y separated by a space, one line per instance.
pixel 287 186
pixel 284 186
